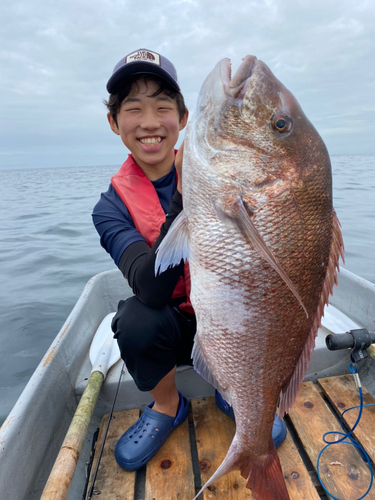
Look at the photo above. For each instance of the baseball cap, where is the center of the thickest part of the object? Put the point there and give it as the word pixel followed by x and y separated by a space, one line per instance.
pixel 143 61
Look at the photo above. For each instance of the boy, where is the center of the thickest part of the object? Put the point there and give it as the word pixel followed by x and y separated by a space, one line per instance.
pixel 154 328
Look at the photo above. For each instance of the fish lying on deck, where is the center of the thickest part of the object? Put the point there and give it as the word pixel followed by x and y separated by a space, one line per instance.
pixel 263 244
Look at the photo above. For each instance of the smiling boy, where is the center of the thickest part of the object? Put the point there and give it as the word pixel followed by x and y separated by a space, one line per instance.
pixel 148 124
pixel 155 328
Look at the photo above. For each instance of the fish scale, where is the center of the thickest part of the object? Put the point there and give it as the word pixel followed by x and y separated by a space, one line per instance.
pixel 263 243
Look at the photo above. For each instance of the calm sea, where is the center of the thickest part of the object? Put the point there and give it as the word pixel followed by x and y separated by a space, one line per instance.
pixel 49 249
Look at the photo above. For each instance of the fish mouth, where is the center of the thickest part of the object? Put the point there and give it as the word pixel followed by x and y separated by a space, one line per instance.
pixel 237 85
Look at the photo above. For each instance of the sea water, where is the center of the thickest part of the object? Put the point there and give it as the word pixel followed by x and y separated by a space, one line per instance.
pixel 49 249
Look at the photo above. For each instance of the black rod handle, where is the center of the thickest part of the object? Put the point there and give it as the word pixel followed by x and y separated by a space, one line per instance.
pixel 354 339
pixel 339 341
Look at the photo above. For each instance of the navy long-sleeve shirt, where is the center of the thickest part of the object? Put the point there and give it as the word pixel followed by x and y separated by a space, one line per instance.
pixel 128 248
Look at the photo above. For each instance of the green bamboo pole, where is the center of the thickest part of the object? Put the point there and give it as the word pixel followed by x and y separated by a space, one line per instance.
pixel 62 473
pixel 371 351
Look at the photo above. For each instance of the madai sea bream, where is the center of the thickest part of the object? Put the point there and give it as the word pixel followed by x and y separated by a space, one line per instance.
pixel 263 243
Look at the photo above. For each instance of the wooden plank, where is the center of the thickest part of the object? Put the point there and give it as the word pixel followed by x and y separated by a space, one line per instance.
pixel 169 474
pixel 297 478
pixel 342 470
pixel 343 394
pixel 214 433
pixel 112 481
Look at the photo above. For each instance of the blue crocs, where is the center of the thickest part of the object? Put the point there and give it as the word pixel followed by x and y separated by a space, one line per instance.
pixel 143 439
pixel 278 430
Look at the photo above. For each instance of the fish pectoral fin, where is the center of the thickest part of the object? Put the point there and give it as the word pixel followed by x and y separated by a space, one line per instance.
pixel 174 247
pixel 240 216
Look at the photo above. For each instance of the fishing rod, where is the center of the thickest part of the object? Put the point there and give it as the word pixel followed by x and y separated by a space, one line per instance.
pixel 91 490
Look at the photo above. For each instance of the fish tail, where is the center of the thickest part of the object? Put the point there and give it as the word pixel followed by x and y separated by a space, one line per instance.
pixel 228 464
pixel 264 477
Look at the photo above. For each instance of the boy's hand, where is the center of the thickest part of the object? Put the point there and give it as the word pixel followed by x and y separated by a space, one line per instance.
pixel 178 165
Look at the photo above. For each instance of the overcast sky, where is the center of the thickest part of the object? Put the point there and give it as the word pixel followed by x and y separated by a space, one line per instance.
pixel 56 57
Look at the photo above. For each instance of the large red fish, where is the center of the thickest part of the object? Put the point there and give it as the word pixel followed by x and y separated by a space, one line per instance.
pixel 263 244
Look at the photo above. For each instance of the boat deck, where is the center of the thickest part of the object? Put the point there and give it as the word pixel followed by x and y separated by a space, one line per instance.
pixel 194 451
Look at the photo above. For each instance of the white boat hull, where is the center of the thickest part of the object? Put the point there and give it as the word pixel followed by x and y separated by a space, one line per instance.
pixel 31 436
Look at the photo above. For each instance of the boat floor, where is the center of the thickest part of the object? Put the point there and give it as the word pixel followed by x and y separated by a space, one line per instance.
pixel 195 450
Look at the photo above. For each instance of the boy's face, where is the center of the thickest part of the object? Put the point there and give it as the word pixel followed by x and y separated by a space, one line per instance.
pixel 149 127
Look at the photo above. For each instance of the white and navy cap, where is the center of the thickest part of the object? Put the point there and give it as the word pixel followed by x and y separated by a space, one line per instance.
pixel 143 61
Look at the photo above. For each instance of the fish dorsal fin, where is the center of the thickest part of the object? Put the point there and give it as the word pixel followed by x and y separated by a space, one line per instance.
pixel 175 245
pixel 337 248
pixel 246 226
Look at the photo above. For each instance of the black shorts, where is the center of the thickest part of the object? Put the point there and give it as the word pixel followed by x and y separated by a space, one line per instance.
pixel 152 341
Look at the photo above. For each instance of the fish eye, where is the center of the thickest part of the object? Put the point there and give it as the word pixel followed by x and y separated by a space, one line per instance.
pixel 281 123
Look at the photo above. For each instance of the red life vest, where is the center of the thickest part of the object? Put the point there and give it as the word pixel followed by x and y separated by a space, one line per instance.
pixel 142 202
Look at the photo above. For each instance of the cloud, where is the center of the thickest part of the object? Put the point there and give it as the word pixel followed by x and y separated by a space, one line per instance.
pixel 57 57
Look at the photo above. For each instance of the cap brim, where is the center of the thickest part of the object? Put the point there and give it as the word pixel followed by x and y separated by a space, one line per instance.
pixel 136 68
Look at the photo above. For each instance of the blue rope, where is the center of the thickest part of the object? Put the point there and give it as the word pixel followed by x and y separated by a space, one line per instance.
pixel 346 435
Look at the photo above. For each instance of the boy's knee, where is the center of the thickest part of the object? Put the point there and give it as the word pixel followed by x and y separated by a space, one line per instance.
pixel 138 327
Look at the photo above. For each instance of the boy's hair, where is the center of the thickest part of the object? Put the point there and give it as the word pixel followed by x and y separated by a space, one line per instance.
pixel 115 99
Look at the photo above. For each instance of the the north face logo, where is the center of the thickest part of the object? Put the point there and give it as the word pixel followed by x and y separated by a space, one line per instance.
pixel 144 55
